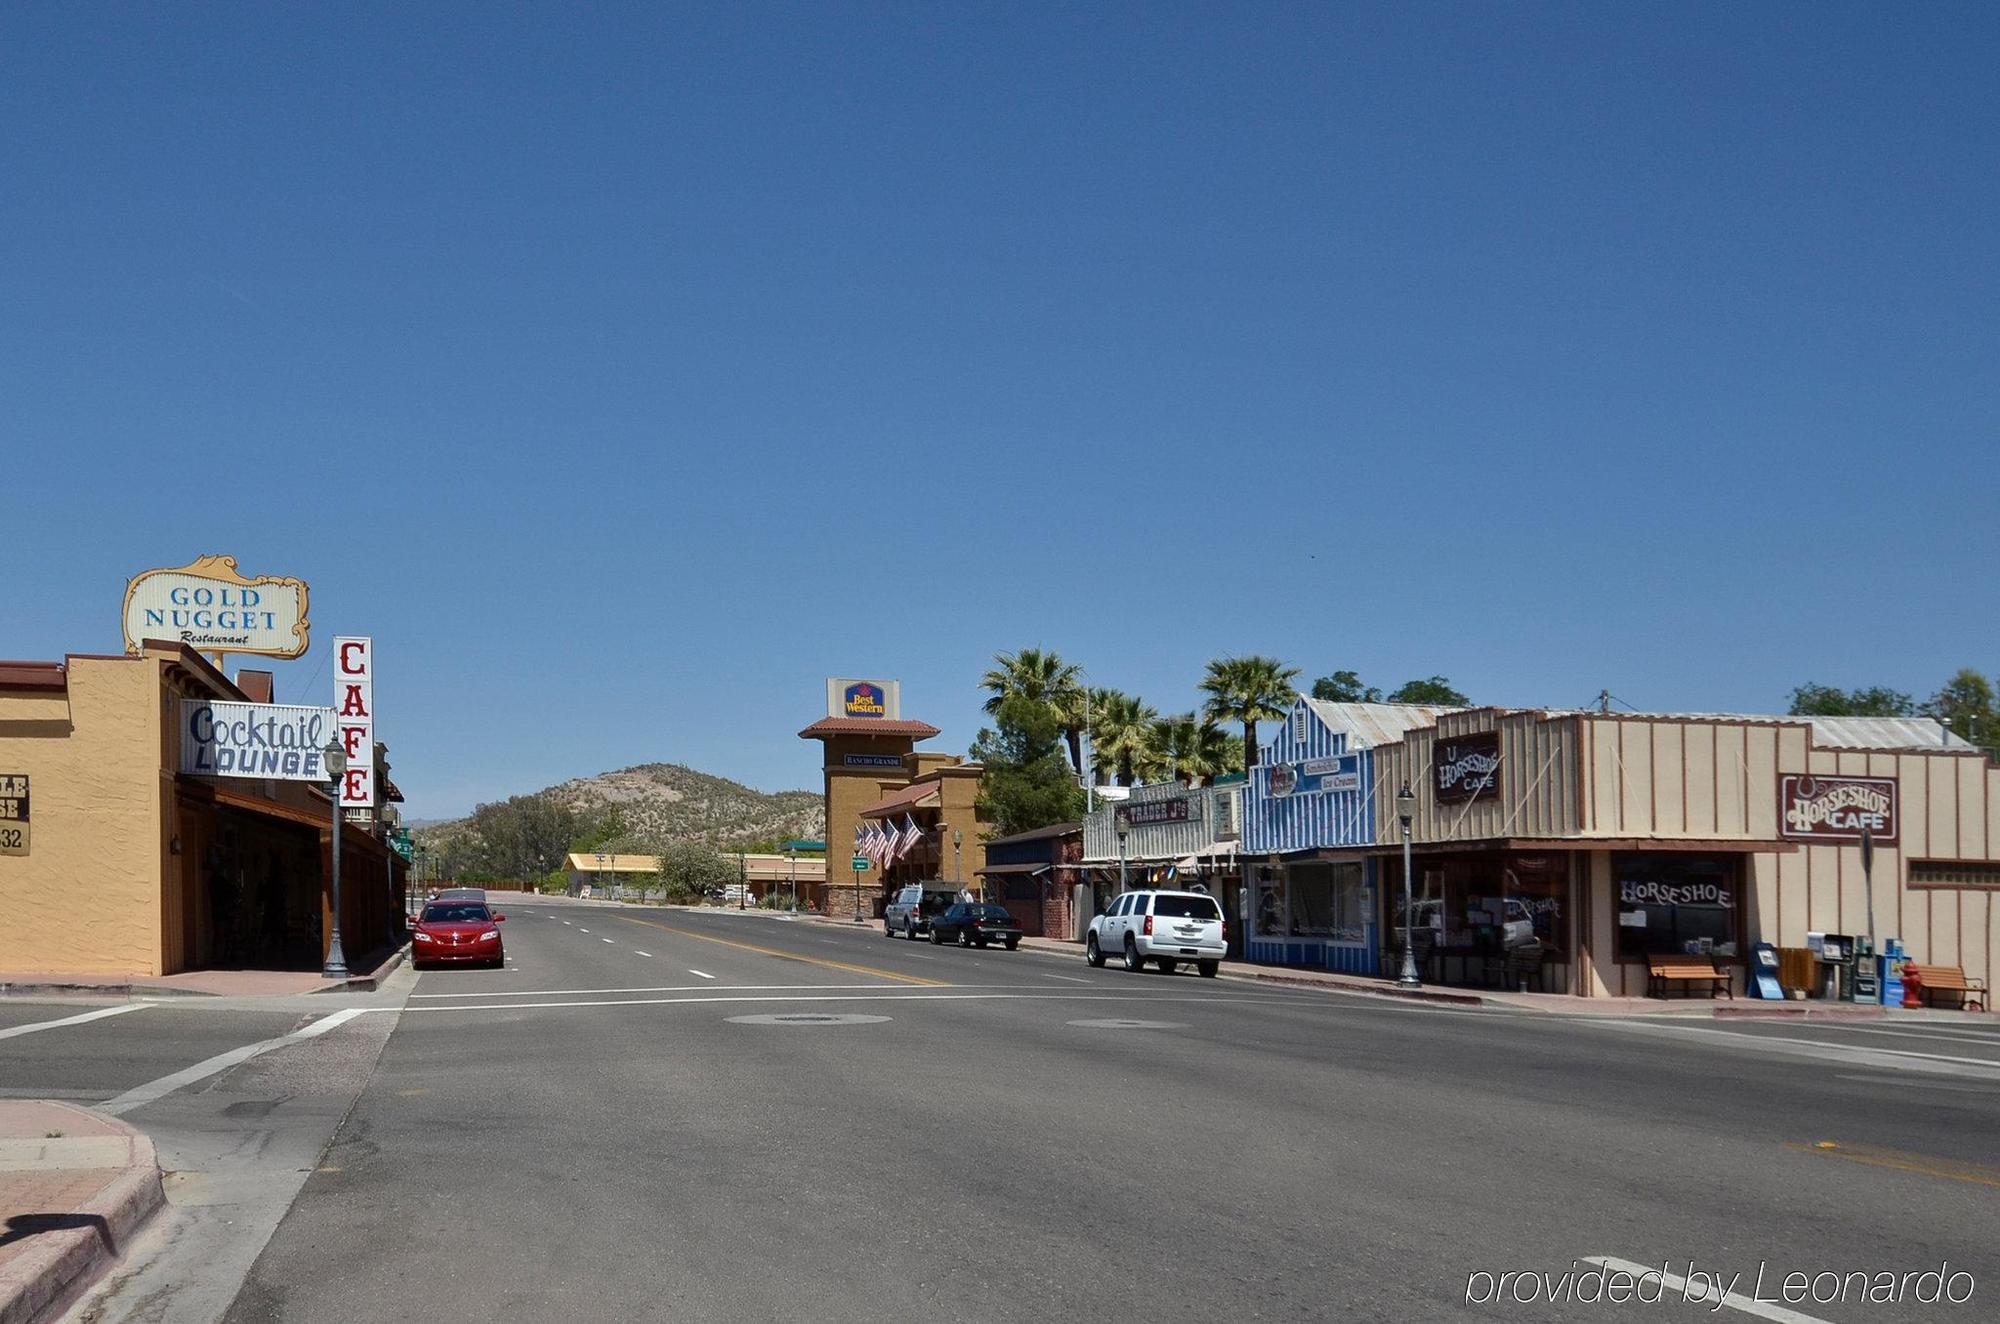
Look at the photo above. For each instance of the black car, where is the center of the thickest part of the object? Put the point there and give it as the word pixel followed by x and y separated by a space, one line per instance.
pixel 971 924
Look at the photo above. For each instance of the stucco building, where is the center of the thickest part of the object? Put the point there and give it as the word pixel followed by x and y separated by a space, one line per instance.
pixel 133 867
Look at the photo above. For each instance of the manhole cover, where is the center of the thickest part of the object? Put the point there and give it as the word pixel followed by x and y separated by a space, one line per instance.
pixel 1118 1023
pixel 808 1018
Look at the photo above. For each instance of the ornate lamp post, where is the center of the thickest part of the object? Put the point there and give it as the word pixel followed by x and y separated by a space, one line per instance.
pixel 1406 809
pixel 336 770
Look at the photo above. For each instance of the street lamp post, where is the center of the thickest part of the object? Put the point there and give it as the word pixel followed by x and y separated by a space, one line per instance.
pixel 1121 859
pixel 391 818
pixel 600 872
pixel 792 871
pixel 1406 809
pixel 957 858
pixel 336 770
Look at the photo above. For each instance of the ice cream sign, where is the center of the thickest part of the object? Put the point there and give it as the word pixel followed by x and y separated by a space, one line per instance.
pixel 1837 808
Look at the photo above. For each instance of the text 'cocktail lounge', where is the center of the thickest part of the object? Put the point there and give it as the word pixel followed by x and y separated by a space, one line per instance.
pixel 1565 851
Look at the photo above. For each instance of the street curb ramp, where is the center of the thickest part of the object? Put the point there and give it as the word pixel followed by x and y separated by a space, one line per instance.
pixel 64 1251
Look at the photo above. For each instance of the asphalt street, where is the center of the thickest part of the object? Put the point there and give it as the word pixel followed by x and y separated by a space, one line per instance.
pixel 618 1129
pixel 706 1115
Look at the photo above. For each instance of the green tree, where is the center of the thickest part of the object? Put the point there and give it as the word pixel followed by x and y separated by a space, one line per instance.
pixel 1189 748
pixel 1248 690
pixel 689 870
pixel 1344 687
pixel 1026 783
pixel 1812 700
pixel 1040 676
pixel 1436 691
pixel 1118 727
pixel 1965 704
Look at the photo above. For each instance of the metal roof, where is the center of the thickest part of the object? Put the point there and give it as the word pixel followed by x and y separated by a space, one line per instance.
pixel 868 726
pixel 1370 724
pixel 1884 733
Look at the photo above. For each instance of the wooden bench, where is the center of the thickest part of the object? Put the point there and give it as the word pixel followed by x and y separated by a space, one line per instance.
pixel 1686 970
pixel 1934 979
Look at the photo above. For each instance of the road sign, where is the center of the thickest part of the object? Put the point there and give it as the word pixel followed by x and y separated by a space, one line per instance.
pixel 861 864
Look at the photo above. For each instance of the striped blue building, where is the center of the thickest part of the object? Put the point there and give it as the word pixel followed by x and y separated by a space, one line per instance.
pixel 1309 812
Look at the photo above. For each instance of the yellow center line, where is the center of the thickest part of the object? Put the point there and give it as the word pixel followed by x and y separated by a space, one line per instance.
pixel 1874 1157
pixel 869 970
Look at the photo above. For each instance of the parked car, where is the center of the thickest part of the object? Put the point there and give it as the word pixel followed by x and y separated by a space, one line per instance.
pixel 457 933
pixel 911 910
pixel 1165 928
pixel 976 924
pixel 461 894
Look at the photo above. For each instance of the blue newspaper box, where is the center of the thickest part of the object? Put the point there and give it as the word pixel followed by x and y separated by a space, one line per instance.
pixel 1764 972
pixel 1893 957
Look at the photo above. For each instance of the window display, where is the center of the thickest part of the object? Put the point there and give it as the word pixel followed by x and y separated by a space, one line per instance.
pixel 1677 903
pixel 1326 901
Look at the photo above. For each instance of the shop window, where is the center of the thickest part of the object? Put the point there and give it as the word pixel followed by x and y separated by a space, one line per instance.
pixel 1021 889
pixel 1491 903
pixel 1677 903
pixel 1326 901
pixel 1270 901
pixel 1955 873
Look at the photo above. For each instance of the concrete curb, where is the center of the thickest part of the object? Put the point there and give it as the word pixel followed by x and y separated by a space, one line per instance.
pixel 1408 995
pixel 367 983
pixel 1799 1011
pixel 125 991
pixel 58 1263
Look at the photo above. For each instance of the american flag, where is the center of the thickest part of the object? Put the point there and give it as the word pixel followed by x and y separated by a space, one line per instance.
pixel 878 841
pixel 912 834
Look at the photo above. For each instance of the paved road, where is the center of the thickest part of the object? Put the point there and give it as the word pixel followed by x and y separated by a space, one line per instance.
pixel 665 1114
pixel 615 1129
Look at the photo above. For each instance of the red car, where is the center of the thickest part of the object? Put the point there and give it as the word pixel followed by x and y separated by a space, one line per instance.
pixel 457 933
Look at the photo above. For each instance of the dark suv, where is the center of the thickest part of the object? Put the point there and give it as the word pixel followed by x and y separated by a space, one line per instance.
pixel 913 907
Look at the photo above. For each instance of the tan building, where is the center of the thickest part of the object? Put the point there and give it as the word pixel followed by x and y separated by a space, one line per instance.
pixel 765 873
pixel 872 772
pixel 1615 837
pixel 934 819
pixel 132 867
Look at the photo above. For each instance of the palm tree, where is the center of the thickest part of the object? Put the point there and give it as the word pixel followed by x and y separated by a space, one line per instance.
pixel 1118 726
pixel 1187 749
pixel 1216 752
pixel 1248 690
pixel 1044 677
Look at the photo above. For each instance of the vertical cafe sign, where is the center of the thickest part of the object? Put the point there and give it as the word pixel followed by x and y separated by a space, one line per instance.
pixel 1466 768
pixel 354 718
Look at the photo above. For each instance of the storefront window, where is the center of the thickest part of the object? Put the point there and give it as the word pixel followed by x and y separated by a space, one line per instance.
pixel 1270 901
pixel 1677 903
pixel 1491 903
pixel 1326 901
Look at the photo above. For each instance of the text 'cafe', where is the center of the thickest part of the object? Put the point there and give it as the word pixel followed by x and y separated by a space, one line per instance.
pixel 1567 851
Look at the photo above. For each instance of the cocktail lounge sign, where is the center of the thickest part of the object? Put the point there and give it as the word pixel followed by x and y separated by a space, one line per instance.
pixel 212 608
pixel 1466 768
pixel 1837 808
pixel 275 740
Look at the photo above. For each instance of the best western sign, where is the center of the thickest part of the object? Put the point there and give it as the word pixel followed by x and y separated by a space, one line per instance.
pixel 849 696
pixel 211 608
pixel 254 740
pixel 1837 808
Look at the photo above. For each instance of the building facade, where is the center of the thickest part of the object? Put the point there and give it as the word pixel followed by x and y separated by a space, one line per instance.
pixel 133 867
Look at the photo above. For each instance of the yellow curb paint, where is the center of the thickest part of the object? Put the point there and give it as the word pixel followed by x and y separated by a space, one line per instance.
pixel 1876 1157
pixel 868 970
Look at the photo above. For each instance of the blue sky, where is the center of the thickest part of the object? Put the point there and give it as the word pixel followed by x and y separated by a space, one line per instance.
pixel 626 372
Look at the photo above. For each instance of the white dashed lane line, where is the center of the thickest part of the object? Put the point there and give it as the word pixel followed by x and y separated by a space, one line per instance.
pixel 604 940
pixel 702 974
pixel 642 953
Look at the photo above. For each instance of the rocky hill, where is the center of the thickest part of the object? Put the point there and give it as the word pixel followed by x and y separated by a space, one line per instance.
pixel 667 802
pixel 632 809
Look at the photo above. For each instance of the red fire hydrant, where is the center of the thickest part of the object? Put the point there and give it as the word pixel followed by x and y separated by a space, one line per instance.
pixel 1913 987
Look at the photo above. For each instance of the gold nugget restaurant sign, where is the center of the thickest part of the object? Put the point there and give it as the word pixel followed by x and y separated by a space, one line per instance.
pixel 212 608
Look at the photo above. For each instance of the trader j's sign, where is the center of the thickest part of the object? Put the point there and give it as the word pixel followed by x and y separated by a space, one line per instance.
pixel 1837 808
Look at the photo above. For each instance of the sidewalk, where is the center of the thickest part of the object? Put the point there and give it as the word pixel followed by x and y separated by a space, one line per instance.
pixel 208 983
pixel 74 1186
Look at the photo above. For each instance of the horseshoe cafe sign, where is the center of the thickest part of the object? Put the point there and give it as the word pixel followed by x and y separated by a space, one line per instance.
pixel 212 608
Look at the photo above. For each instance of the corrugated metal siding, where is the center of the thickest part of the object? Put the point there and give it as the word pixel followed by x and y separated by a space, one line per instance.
pixel 1209 811
pixel 1317 730
pixel 1538 779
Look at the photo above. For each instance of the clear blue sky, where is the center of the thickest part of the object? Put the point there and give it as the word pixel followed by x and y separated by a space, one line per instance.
pixel 625 373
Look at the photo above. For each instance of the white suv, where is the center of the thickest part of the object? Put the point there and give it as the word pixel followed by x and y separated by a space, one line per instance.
pixel 1163 927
